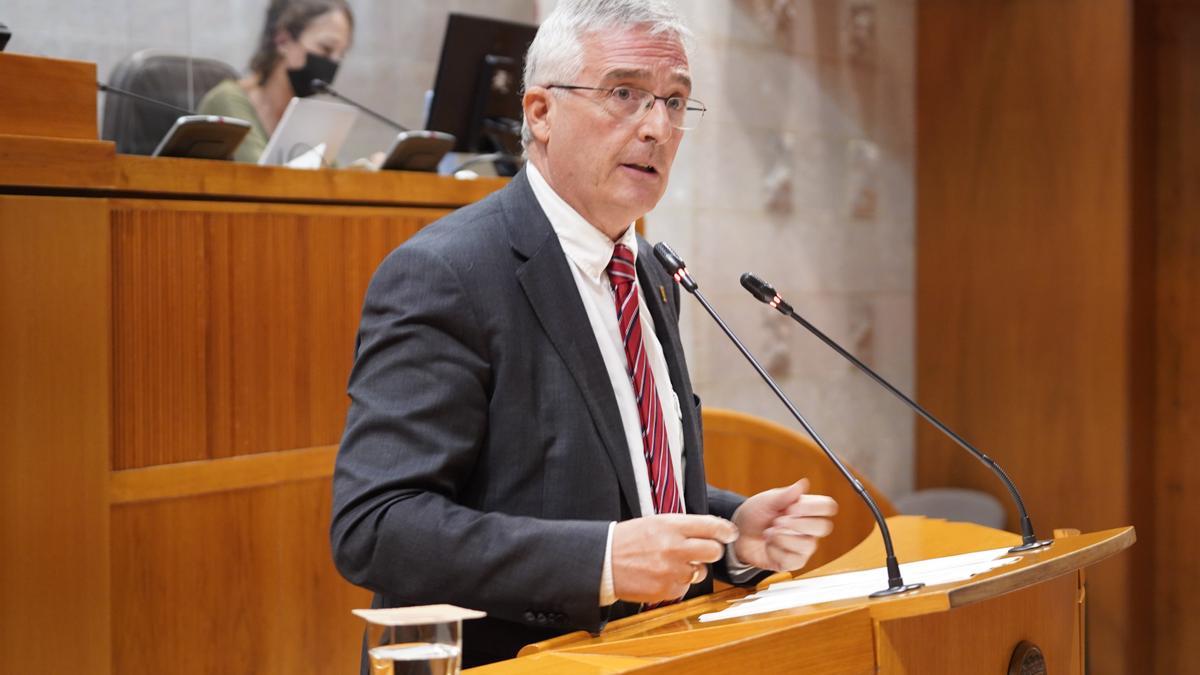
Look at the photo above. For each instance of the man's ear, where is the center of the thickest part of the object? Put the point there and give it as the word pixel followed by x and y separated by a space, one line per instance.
pixel 537 104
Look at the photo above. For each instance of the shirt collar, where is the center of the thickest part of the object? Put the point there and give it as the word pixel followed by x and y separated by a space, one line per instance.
pixel 584 244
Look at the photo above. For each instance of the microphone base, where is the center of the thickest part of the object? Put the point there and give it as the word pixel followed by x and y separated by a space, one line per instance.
pixel 1032 546
pixel 895 590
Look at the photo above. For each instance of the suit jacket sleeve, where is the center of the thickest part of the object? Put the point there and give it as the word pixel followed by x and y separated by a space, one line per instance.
pixel 418 419
pixel 723 503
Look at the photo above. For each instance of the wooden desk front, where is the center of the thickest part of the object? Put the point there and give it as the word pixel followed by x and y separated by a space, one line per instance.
pixel 176 339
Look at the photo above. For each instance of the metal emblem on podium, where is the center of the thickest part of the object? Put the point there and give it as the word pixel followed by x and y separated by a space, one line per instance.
pixel 1027 659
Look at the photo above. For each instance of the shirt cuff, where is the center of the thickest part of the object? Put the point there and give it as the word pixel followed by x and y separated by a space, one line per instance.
pixel 739 572
pixel 607 594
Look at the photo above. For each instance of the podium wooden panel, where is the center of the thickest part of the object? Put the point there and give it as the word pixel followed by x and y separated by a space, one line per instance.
pixel 971 626
pixel 176 339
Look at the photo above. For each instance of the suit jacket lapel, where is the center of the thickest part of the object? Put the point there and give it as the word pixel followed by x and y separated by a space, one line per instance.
pixel 546 279
pixel 656 285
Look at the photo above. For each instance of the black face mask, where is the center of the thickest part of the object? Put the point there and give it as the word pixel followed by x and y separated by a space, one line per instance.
pixel 316 67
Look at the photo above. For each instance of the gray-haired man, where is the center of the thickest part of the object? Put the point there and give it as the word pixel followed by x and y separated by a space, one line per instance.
pixel 523 437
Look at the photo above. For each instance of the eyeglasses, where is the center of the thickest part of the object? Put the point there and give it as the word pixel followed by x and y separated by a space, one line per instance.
pixel 631 103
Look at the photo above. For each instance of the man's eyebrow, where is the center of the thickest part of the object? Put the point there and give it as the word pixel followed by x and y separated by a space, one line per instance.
pixel 641 73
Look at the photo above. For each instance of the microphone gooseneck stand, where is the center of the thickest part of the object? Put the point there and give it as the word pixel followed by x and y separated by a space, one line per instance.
pixel 109 89
pixel 678 271
pixel 766 293
pixel 323 87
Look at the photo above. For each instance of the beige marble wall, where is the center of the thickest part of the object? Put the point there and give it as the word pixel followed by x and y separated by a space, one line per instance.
pixel 802 173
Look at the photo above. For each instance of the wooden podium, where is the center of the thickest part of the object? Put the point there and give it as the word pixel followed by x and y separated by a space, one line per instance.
pixel 980 626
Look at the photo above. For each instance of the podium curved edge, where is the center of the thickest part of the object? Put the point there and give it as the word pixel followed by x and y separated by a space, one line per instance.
pixel 1056 564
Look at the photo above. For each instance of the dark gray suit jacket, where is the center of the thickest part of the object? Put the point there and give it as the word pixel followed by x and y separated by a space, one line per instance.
pixel 484 456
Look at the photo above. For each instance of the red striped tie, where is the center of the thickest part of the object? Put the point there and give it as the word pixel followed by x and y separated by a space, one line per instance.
pixel 623 275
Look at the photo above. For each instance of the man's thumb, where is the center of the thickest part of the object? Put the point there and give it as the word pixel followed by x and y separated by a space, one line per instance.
pixel 787 496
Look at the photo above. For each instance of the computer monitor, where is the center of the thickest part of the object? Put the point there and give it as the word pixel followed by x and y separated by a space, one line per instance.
pixel 477 92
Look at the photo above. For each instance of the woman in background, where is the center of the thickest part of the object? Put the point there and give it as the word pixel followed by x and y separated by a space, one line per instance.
pixel 301 40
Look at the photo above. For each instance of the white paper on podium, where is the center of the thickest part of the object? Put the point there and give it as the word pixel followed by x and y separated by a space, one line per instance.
pixel 804 592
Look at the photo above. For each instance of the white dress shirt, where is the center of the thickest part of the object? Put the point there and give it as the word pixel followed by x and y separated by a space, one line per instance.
pixel 589 251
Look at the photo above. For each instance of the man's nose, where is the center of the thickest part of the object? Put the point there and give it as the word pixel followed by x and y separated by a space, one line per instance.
pixel 656 125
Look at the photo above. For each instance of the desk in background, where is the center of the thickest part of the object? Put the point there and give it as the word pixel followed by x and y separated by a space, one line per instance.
pixel 176 339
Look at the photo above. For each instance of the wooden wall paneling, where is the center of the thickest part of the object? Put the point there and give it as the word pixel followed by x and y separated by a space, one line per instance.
pixel 186 479
pixel 54 434
pixel 173 387
pixel 1172 43
pixel 40 162
pixel 159 327
pixel 192 589
pixel 1023 293
pixel 234 323
pixel 48 97
pixel 239 581
pixel 317 609
pixel 1142 359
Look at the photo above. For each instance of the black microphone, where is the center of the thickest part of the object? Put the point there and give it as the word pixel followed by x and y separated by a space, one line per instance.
pixel 109 89
pixel 766 293
pixel 674 265
pixel 323 87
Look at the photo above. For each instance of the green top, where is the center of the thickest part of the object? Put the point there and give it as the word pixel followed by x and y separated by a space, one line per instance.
pixel 228 99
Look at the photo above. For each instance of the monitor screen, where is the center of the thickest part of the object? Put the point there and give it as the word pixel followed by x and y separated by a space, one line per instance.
pixel 477 92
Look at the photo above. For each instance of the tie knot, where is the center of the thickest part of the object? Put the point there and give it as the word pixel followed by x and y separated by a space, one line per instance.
pixel 621 268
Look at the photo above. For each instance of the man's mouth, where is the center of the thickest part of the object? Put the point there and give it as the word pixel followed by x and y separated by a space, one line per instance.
pixel 644 168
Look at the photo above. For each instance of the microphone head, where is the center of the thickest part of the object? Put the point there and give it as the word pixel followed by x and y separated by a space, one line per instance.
pixel 758 288
pixel 765 292
pixel 674 265
pixel 668 257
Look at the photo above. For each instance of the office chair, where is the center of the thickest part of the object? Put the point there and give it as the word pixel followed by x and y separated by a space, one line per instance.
pixel 137 127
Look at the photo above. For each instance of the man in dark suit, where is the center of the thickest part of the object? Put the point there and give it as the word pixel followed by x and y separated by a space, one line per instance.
pixel 523 437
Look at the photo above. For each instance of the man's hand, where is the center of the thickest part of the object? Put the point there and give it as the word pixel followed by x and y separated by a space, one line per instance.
pixel 656 558
pixel 780 528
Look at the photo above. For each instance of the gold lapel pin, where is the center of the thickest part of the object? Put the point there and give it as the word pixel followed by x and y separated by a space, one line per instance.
pixel 662 292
